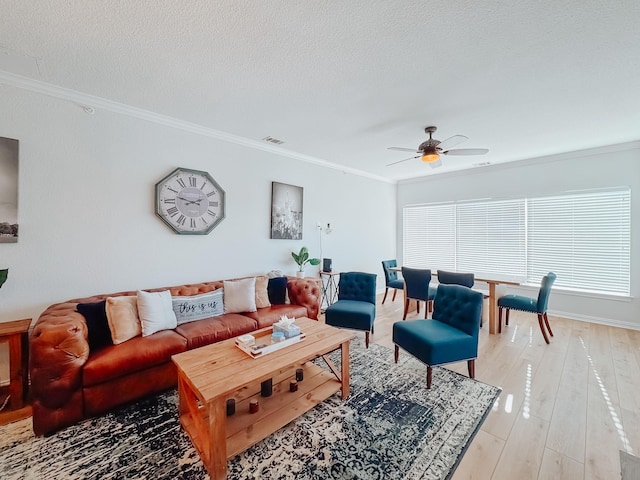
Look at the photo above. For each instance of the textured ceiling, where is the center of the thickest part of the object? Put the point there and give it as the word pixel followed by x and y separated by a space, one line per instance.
pixel 342 81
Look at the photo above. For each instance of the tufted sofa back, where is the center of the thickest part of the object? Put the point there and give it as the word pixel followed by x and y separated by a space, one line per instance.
pixel 357 286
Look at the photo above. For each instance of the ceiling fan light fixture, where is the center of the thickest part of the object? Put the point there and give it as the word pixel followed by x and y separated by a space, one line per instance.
pixel 429 156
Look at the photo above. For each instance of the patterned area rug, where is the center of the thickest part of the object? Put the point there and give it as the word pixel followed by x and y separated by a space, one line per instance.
pixel 391 427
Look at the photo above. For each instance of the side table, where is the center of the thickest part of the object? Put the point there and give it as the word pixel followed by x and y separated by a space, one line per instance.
pixel 329 287
pixel 16 333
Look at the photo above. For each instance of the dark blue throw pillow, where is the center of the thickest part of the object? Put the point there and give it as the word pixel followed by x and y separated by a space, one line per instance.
pixel 95 315
pixel 277 290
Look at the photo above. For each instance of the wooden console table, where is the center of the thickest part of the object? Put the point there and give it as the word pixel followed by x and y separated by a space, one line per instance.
pixel 16 333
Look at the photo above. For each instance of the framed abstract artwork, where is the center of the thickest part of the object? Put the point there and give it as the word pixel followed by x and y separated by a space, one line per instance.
pixel 8 190
pixel 286 211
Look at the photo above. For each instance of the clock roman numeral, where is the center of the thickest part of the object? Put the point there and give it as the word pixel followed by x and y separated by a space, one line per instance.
pixel 204 220
pixel 192 223
pixel 212 213
pixel 192 181
pixel 181 220
pixel 203 185
pixel 174 191
pixel 213 204
pixel 173 211
pixel 212 193
pixel 172 201
pixel 181 182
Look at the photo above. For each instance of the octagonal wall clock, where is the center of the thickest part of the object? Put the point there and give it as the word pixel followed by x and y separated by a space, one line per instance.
pixel 190 201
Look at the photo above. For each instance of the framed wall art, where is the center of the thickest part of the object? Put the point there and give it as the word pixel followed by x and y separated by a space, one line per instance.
pixel 286 211
pixel 8 190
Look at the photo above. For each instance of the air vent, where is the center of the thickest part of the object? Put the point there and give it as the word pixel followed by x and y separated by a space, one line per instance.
pixel 275 141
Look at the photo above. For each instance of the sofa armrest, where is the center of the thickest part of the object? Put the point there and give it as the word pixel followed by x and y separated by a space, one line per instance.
pixel 58 349
pixel 305 292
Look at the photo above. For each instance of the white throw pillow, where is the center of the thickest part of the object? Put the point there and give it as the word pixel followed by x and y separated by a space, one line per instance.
pixel 156 312
pixel 240 295
pixel 122 316
pixel 198 307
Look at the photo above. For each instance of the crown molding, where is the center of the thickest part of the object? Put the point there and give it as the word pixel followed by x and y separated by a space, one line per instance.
pixel 518 163
pixel 86 100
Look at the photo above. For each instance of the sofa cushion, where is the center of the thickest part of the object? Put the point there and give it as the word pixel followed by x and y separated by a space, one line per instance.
pixel 156 312
pixel 197 307
pixel 262 293
pixel 216 329
pixel 277 289
pixel 136 355
pixel 265 317
pixel 95 316
pixel 240 295
pixel 122 314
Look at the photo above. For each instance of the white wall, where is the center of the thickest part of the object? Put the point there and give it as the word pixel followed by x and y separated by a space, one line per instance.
pixel 612 166
pixel 87 218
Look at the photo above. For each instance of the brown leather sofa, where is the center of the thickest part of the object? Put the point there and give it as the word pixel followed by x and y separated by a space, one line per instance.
pixel 70 383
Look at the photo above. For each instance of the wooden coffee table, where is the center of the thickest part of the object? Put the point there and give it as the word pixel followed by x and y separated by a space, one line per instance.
pixel 211 375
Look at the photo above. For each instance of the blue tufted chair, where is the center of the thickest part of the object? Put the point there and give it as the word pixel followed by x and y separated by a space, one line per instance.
pixel 450 336
pixel 356 305
pixel 455 278
pixel 391 279
pixel 527 304
pixel 416 281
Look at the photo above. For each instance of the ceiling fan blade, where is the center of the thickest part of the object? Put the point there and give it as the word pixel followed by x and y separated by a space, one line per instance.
pixel 401 149
pixel 452 141
pixel 436 164
pixel 467 151
pixel 400 161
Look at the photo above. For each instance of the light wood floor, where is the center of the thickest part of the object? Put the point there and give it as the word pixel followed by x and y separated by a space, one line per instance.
pixel 566 409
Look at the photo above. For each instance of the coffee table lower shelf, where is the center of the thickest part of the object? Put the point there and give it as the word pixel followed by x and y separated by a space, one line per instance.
pixel 243 429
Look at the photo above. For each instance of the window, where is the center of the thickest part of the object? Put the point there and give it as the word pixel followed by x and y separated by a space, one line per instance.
pixel 583 237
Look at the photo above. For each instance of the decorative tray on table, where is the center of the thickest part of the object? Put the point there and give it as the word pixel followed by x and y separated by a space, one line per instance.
pixel 264 344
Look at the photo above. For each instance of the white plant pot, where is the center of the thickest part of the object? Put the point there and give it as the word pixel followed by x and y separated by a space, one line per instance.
pixel 300 274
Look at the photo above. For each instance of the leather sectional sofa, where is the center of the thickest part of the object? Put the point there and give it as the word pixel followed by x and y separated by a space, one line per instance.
pixel 69 382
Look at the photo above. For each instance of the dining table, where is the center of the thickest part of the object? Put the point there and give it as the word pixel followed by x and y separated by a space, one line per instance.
pixel 497 287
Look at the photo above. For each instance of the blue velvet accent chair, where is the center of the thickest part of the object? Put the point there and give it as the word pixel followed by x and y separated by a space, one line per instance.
pixel 391 279
pixel 532 305
pixel 416 281
pixel 356 305
pixel 455 278
pixel 450 336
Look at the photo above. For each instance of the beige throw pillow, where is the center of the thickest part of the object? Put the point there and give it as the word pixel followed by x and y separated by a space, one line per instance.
pixel 122 315
pixel 262 295
pixel 240 295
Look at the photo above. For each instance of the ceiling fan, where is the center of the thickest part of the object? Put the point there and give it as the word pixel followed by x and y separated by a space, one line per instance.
pixel 430 150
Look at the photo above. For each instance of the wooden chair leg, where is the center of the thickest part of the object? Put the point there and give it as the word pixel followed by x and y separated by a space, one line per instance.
pixel 372 332
pixel 418 306
pixel 393 299
pixel 406 308
pixel 366 339
pixel 500 319
pixel 429 375
pixel 396 354
pixel 544 332
pixel 507 317
pixel 471 364
pixel 546 322
pixel 426 311
pixel 385 295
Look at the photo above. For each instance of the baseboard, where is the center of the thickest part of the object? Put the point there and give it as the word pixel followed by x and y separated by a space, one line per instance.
pixel 598 320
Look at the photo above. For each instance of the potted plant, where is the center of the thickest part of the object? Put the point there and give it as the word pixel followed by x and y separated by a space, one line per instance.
pixel 3 275
pixel 302 258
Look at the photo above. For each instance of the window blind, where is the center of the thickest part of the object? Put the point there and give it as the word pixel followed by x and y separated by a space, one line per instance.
pixel 429 236
pixel 583 237
pixel 491 237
